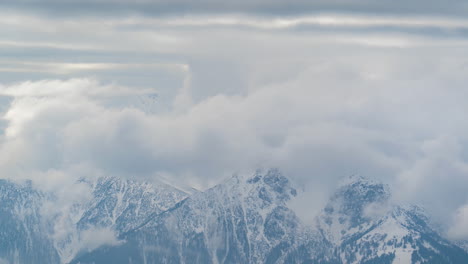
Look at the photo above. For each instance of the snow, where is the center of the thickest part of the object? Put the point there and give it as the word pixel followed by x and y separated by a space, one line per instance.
pixel 402 256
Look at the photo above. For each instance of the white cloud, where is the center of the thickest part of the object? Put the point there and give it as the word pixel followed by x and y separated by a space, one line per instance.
pixel 324 123
pixel 459 229
pixel 346 119
pixel 97 237
pixel 377 210
pixel 285 22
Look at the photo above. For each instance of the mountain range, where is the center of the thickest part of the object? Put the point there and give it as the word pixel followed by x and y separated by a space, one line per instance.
pixel 245 219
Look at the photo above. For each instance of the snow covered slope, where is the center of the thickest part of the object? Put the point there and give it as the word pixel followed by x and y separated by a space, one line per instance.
pixel 125 204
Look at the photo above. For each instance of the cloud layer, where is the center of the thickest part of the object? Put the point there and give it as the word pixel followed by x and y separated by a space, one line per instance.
pixel 322 124
pixel 269 7
pixel 196 97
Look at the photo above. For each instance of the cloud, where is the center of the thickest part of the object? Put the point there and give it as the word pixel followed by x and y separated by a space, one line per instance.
pixel 319 95
pixel 459 229
pixel 97 237
pixel 330 120
pixel 437 176
pixel 77 242
pixel 269 7
pixel 324 20
pixel 177 33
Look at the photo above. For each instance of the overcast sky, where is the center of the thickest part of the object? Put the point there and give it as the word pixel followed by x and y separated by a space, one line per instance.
pixel 195 91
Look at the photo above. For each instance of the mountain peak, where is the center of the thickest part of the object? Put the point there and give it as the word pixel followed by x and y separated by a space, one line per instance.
pixel 273 181
pixel 359 189
pixel 358 179
pixel 272 177
pixel 351 209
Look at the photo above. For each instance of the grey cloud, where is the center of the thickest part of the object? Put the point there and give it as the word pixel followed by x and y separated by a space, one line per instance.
pixel 266 7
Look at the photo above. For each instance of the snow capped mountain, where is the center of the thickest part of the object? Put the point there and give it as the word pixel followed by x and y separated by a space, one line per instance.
pixel 28 234
pixel 349 211
pixel 22 229
pixel 245 219
pixel 116 206
pixel 365 228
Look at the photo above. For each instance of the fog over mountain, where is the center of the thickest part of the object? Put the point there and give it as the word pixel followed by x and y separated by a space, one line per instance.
pixel 123 123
